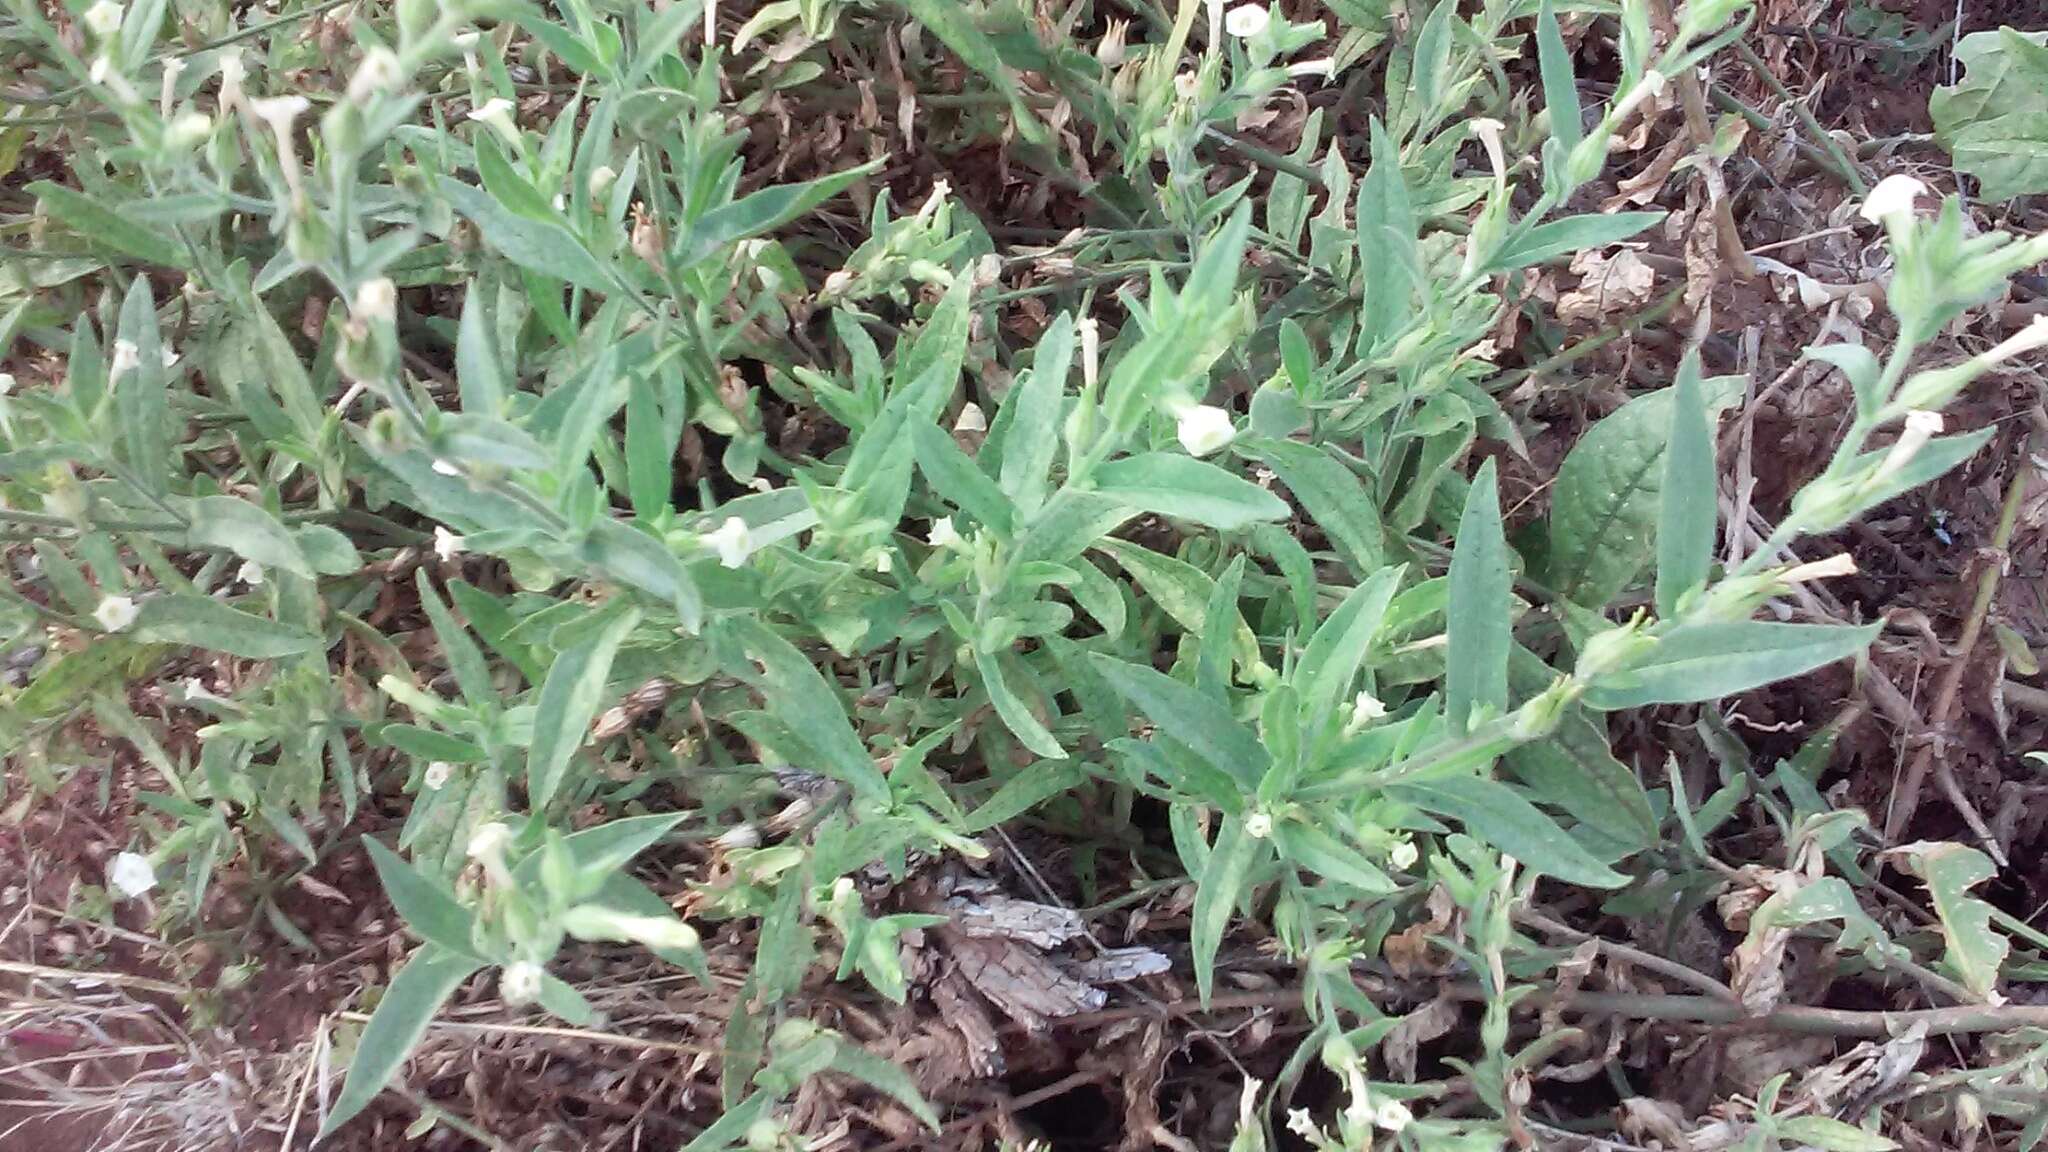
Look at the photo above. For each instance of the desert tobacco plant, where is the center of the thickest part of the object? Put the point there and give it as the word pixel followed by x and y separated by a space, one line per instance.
pixel 507 320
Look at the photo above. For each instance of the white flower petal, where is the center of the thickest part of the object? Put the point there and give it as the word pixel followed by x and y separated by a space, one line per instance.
pixel 131 875
pixel 1247 20
pixel 115 613
pixel 1205 428
pixel 1894 194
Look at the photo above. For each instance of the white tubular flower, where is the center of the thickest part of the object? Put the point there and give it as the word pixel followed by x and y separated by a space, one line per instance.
pixel 6 383
pixel 103 19
pixel 940 190
pixel 1840 564
pixel 126 359
pixel 1303 1125
pixel 1186 85
pixel 1920 428
pixel 131 875
pixel 1392 1115
pixel 1247 20
pixel 376 300
pixel 489 841
pixel 1365 708
pixel 1215 8
pixel 1489 132
pixel 437 775
pixel 1258 825
pixel 1324 66
pixel 1648 87
pixel 1204 429
pixel 232 72
pixel 943 534
pixel 279 112
pixel 1404 855
pixel 172 67
pixel 1893 196
pixel 379 72
pixel 2033 336
pixel 115 613
pixel 497 114
pixel 732 542
pixel 169 356
pixel 250 573
pixel 445 468
pixel 467 42
pixel 884 564
pixel 520 983
pixel 972 419
pixel 1091 352
pixel 737 837
pixel 447 545
pixel 595 922
pixel 196 692
pixel 600 180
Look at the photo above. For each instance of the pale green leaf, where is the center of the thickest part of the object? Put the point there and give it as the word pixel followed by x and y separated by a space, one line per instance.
pixel 429 977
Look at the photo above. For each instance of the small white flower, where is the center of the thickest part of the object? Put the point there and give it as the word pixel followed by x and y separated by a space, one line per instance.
pixel 836 284
pixel 131 875
pixel 445 468
pixel 1091 352
pixel 1893 195
pixel 115 613
pixel 1303 1125
pixel 884 564
pixel 497 114
pixel 489 841
pixel 1404 855
pixel 593 922
pixel 279 111
pixel 1258 825
pixel 168 355
pixel 601 180
pixel 465 39
pixel 126 359
pixel 188 131
pixel 1840 564
pixel 1204 428
pixel 6 383
pixel 447 545
pixel 972 419
pixel 196 692
pixel 376 300
pixel 1648 87
pixel 1489 132
pixel 1186 85
pixel 379 72
pixel 103 19
pixel 250 573
pixel 172 67
pixel 930 207
pixel 232 72
pixel 1320 66
pixel 1920 428
pixel 732 542
pixel 2033 336
pixel 1392 1115
pixel 1366 707
pixel 1247 20
pixel 737 837
pixel 520 983
pixel 943 534
pixel 437 775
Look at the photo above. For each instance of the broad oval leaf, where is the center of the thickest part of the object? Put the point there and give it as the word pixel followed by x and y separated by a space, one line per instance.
pixel 1187 489
pixel 1695 662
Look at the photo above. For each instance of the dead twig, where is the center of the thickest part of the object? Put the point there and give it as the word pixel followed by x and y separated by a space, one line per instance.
pixel 1907 797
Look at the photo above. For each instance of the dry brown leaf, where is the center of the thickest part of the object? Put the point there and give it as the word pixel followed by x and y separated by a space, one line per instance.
pixel 1419 1027
pixel 1607 284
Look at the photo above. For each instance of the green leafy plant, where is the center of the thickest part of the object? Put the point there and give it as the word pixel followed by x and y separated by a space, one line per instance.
pixel 538 406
